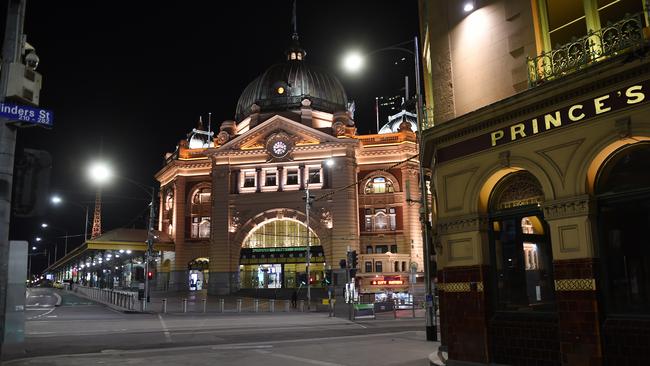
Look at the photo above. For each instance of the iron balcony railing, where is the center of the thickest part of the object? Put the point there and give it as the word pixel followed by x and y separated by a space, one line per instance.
pixel 623 36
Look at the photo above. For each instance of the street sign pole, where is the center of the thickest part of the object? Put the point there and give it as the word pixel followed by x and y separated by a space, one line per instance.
pixel 11 51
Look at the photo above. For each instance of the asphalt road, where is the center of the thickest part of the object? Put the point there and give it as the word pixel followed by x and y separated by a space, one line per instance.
pixel 80 331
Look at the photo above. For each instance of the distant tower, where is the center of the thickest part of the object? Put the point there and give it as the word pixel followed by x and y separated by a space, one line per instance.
pixel 97 216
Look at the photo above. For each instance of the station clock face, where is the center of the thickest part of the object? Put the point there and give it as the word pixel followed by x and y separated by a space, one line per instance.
pixel 279 148
pixel 279 145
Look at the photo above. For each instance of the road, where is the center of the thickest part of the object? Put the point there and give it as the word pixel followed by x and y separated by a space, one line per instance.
pixel 80 331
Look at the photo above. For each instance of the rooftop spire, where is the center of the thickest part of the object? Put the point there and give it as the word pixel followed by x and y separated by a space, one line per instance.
pixel 295 52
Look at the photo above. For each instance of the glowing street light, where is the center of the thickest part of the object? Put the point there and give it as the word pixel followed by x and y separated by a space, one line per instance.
pixel 100 172
pixel 38 238
pixel 353 61
pixel 44 225
pixel 469 6
pixel 56 199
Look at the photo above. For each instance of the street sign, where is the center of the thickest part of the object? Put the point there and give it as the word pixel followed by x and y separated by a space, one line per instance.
pixel 26 114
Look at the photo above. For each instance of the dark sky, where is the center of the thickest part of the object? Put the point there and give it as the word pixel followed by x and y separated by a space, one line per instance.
pixel 134 76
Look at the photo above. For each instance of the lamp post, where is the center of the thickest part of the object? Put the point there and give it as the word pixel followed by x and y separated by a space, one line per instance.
pixel 65 232
pixel 56 200
pixel 354 62
pixel 101 173
pixel 308 201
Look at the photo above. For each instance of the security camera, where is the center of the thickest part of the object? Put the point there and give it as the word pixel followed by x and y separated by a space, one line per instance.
pixel 31 60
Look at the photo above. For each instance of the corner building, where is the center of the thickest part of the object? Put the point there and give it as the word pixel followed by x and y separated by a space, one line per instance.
pixel 233 200
pixel 540 159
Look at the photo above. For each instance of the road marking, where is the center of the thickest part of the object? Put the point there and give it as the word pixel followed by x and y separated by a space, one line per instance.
pixel 225 347
pixel 304 360
pixel 168 337
pixel 41 315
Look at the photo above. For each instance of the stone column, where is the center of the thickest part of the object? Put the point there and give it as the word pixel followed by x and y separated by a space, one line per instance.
pixel 178 275
pixel 280 178
pixel 224 259
pixel 302 176
pixel 258 174
pixel 575 270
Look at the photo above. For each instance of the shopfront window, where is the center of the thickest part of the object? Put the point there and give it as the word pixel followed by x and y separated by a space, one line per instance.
pixel 520 247
pixel 623 190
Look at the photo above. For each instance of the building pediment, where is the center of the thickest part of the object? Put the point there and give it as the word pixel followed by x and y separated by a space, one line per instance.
pixel 277 128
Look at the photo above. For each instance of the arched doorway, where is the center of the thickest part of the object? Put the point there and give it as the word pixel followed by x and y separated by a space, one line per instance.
pixel 520 246
pixel 199 273
pixel 623 193
pixel 273 255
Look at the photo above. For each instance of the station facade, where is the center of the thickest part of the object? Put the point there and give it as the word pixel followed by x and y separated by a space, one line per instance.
pixel 540 158
pixel 233 200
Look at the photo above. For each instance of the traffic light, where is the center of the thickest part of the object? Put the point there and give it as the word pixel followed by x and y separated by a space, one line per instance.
pixel 354 260
pixel 149 275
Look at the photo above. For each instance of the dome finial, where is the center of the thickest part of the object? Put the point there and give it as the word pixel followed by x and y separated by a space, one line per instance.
pixel 295 52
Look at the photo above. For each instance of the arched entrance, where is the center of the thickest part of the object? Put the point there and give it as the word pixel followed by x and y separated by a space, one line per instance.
pixel 199 273
pixel 520 246
pixel 274 255
pixel 623 193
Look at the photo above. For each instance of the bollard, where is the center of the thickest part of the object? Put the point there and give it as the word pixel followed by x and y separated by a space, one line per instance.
pixel 205 302
pixel 287 305
pixel 272 305
pixel 302 305
pixel 185 305
pixel 221 305
pixel 256 305
pixel 239 305
pixel 164 306
pixel 394 309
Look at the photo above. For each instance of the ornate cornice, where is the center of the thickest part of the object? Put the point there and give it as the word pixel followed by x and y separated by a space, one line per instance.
pixel 519 106
pixel 460 224
pixel 568 207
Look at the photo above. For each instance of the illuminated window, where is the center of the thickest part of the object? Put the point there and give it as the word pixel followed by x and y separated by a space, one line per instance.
pixel 169 200
pixel 201 196
pixel 561 21
pixel 280 233
pixel 200 227
pixel 379 185
pixel 380 219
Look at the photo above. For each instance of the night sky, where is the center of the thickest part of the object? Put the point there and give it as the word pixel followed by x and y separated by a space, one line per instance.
pixel 129 79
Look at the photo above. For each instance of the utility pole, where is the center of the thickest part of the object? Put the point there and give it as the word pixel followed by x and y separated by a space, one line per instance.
pixel 12 50
pixel 147 255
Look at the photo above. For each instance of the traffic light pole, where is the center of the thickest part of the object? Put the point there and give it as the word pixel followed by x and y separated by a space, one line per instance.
pixel 11 51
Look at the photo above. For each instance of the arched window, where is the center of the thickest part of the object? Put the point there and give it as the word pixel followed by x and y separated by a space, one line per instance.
pixel 379 185
pixel 201 196
pixel 623 191
pixel 280 233
pixel 169 200
pixel 520 249
pixel 200 213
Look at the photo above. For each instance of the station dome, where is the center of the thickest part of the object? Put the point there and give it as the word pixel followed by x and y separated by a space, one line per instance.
pixel 283 86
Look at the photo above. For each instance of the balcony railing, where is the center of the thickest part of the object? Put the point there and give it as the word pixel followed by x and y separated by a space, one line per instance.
pixel 623 36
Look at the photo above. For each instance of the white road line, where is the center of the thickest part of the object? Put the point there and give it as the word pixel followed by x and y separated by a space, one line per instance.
pixel 41 315
pixel 168 337
pixel 304 360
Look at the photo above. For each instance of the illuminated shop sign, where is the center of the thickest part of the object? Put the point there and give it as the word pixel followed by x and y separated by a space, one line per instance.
pixel 565 116
pixel 386 282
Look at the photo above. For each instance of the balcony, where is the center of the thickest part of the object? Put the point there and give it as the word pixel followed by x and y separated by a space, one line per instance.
pixel 621 37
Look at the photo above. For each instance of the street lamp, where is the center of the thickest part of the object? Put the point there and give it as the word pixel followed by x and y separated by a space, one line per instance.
pixel 57 200
pixel 308 201
pixel 100 173
pixel 353 62
pixel 65 232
